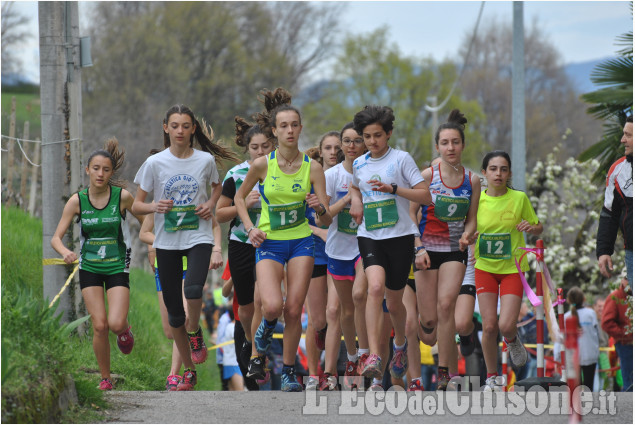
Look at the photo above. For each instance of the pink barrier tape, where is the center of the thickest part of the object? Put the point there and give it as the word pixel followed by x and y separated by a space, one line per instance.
pixel 533 299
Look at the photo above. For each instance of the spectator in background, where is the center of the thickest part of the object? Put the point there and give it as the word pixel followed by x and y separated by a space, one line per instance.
pixel 231 371
pixel 603 360
pixel 209 308
pixel 527 331
pixel 618 325
pixel 589 338
pixel 617 211
pixel 223 321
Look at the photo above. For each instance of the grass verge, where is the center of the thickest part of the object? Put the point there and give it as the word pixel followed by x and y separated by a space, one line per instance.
pixel 37 355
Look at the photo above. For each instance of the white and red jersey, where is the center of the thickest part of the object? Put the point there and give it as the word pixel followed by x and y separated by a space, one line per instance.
pixel 443 221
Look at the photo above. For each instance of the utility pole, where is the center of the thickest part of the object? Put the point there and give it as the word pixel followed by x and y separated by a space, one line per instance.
pixel 432 100
pixel 60 94
pixel 519 152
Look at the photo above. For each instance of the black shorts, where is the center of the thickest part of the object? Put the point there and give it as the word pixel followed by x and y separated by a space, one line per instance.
pixel 438 258
pixel 411 283
pixel 319 270
pixel 394 255
pixel 468 290
pixel 87 279
pixel 242 265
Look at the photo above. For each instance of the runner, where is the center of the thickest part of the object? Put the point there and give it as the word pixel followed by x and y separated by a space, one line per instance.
pixel 345 270
pixel 241 253
pixel 503 215
pixel 146 236
pixel 447 227
pixel 321 299
pixel 384 180
pixel 179 176
pixel 105 252
pixel 283 236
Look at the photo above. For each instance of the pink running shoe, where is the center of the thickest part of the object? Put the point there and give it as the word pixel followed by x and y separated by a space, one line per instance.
pixel 399 363
pixel 197 347
pixel 188 380
pixel 373 368
pixel 125 341
pixel 105 384
pixel 172 382
pixel 361 364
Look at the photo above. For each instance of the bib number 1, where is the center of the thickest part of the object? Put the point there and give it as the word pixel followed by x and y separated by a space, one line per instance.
pixel 380 214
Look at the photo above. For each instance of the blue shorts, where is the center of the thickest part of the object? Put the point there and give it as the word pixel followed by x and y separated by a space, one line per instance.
pixel 320 251
pixel 158 282
pixel 343 269
pixel 283 251
pixel 229 371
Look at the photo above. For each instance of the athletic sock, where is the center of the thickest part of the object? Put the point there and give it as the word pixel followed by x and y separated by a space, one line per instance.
pixel 362 351
pixel 271 324
pixel 351 357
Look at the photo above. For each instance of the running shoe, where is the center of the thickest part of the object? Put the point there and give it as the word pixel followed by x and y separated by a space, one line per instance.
pixel 125 341
pixel 256 369
pixel 245 354
pixel 328 382
pixel 172 382
pixel 491 384
pixel 320 338
pixel 372 368
pixel 415 385
pixel 517 351
pixel 467 344
pixel 188 380
pixel 399 362
pixel 263 337
pixel 351 369
pixel 105 384
pixel 289 382
pixel 376 387
pixel 442 382
pixel 312 383
pixel 361 363
pixel 266 379
pixel 197 347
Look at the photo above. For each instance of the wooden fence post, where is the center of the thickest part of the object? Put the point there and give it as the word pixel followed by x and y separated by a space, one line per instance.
pixel 34 179
pixel 10 153
pixel 25 166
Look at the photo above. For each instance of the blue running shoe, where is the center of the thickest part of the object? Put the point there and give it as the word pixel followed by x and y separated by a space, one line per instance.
pixel 289 382
pixel 399 363
pixel 263 338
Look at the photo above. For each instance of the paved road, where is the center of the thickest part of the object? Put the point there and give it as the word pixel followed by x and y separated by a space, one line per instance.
pixel 358 407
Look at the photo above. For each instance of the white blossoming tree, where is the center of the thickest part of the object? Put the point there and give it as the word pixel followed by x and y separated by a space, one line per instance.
pixel 568 203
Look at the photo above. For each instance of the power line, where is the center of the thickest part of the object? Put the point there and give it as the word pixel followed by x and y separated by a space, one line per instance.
pixel 456 82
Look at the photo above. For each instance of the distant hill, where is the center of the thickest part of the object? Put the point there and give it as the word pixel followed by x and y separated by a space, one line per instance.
pixel 580 74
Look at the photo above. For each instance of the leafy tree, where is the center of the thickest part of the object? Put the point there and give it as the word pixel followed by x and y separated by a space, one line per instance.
pixel 611 103
pixel 551 103
pixel 212 56
pixel 13 35
pixel 371 70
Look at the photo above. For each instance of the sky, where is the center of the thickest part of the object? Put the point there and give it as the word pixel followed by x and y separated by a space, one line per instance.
pixel 580 30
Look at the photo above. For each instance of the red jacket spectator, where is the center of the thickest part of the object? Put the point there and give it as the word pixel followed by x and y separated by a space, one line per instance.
pixel 614 319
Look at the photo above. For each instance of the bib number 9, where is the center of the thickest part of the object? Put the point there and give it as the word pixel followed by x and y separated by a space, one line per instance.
pixel 181 218
pixel 495 246
pixel 380 214
pixel 450 208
